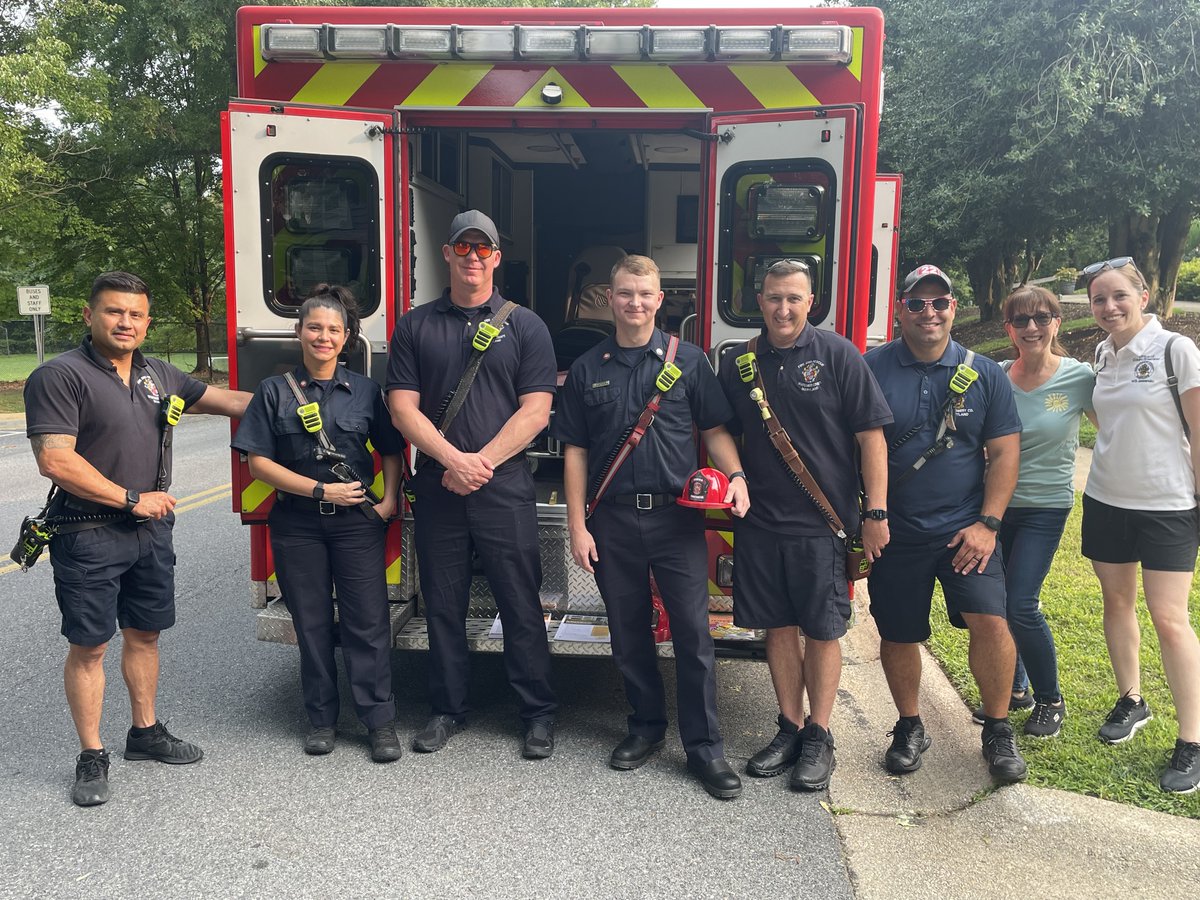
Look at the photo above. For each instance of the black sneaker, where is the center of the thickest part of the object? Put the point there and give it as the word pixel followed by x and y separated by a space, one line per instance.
pixel 1182 775
pixel 816 762
pixel 1015 704
pixel 908 743
pixel 1000 750
pixel 163 746
pixel 385 743
pixel 782 752
pixel 1046 719
pixel 1125 720
pixel 91 778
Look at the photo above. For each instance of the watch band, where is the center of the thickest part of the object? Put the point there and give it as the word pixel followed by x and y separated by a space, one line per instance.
pixel 878 515
pixel 991 522
pixel 739 474
pixel 132 499
pixel 318 492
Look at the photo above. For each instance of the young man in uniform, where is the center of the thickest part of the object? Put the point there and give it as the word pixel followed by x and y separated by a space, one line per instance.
pixel 96 420
pixel 945 501
pixel 473 487
pixel 789 575
pixel 637 528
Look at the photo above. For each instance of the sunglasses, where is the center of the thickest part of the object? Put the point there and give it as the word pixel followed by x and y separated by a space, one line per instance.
pixel 916 304
pixel 786 264
pixel 1041 319
pixel 463 248
pixel 1117 262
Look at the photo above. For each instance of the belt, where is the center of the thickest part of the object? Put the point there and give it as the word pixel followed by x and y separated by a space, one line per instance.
pixel 643 501
pixel 305 504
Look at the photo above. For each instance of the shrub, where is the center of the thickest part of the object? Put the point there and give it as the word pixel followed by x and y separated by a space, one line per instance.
pixel 1188 286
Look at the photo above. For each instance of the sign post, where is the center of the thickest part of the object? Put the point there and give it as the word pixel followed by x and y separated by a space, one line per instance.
pixel 34 300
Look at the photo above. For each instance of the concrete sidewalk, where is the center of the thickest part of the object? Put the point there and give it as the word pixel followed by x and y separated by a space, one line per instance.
pixel 943 831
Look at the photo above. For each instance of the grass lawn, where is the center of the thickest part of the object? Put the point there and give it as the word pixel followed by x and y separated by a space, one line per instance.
pixel 1076 760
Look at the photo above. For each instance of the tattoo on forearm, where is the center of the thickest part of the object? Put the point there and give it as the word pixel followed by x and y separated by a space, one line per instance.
pixel 42 442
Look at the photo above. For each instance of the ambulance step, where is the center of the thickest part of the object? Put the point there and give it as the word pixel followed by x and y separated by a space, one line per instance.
pixel 274 623
pixel 415 636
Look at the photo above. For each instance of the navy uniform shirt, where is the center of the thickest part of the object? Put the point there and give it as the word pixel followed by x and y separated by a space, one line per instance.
pixel 823 394
pixel 430 350
pixel 607 389
pixel 946 494
pixel 352 410
pixel 116 426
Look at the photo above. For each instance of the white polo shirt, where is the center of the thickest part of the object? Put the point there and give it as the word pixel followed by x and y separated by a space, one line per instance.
pixel 1142 460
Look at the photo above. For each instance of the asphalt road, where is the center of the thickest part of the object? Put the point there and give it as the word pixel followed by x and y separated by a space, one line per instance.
pixel 259 818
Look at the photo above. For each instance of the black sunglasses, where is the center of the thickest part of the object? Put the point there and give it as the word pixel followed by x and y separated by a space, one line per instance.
pixel 1117 262
pixel 1041 319
pixel 916 304
pixel 464 248
pixel 785 264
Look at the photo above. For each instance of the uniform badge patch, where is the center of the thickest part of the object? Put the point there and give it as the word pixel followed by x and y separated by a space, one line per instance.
pixel 1143 370
pixel 150 388
pixel 810 371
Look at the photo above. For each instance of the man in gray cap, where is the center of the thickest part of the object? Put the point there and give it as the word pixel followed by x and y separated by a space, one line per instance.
pixel 472 486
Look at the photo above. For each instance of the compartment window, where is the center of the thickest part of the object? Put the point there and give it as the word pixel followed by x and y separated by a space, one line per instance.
pixel 321 221
pixel 439 158
pixel 772 211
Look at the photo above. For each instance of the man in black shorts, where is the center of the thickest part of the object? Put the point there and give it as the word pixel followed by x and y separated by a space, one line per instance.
pixel 95 417
pixel 944 508
pixel 789 575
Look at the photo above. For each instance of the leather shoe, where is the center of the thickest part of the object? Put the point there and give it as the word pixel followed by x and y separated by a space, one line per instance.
pixel 385 744
pixel 718 778
pixel 539 740
pixel 782 752
pixel 908 743
pixel 634 751
pixel 435 735
pixel 319 741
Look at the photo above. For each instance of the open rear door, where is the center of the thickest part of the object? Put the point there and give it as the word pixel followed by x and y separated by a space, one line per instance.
pixel 782 185
pixel 310 196
pixel 885 256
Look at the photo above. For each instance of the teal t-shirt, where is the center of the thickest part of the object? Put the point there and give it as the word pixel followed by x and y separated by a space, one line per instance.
pixel 1050 435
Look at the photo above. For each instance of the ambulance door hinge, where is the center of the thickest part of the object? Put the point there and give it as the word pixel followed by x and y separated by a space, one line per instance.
pixel 724 137
pixel 374 131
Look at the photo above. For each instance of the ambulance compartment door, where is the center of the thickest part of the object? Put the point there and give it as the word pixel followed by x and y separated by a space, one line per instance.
pixel 885 255
pixel 781 185
pixel 311 197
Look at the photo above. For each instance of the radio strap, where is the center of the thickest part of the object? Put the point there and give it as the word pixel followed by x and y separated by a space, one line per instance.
pixel 484 335
pixel 964 376
pixel 634 433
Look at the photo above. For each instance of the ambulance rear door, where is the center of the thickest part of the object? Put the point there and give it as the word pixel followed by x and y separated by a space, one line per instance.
pixel 885 255
pixel 312 195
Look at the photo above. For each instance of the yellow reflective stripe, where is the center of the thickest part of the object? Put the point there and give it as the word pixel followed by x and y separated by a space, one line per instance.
pixel 393 571
pixel 255 494
pixel 658 86
pixel 335 83
pixel 259 62
pixel 775 87
pixel 570 97
pixel 714 590
pixel 447 85
pixel 856 45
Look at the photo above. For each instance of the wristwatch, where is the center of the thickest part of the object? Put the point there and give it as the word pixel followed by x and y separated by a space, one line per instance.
pixel 319 491
pixel 132 499
pixel 739 474
pixel 990 521
pixel 879 515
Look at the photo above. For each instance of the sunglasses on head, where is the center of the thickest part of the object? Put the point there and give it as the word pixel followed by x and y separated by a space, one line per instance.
pixel 1041 319
pixel 786 264
pixel 463 248
pixel 1117 262
pixel 916 304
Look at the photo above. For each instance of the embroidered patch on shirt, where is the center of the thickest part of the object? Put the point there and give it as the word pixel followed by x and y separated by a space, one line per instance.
pixel 1058 402
pixel 150 388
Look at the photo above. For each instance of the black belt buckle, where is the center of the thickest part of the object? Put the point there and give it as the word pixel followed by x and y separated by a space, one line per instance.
pixel 326 507
pixel 644 501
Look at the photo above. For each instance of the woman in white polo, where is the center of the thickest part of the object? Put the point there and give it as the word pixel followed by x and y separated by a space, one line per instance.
pixel 1140 505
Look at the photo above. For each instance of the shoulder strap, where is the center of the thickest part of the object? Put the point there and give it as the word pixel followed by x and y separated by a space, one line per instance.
pixel 483 340
pixel 322 437
pixel 1173 383
pixel 165 428
pixel 1006 365
pixel 634 433
pixel 787 451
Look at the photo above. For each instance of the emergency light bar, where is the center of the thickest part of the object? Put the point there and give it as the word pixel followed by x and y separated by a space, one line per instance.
pixel 802 43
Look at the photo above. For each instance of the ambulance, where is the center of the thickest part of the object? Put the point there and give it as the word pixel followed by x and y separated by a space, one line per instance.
pixel 714 141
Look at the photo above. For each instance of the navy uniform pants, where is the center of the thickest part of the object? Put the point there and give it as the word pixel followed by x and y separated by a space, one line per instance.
pixel 498 522
pixel 667 542
pixel 313 553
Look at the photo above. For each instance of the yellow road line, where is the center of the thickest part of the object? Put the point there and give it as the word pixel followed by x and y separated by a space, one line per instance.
pixel 192 501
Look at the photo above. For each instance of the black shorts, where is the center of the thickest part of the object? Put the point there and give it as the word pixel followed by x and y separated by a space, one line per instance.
pixel 1162 540
pixel 901 588
pixel 123 573
pixel 782 580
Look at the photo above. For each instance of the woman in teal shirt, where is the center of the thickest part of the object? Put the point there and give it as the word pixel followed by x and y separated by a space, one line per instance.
pixel 1051 390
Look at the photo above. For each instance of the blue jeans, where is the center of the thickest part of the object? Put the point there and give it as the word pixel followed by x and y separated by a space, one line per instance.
pixel 1030 537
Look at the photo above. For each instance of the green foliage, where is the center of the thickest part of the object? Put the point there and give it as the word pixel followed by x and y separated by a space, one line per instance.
pixel 1076 760
pixel 1188 286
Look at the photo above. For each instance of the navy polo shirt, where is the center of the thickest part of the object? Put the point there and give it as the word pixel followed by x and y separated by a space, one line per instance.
pixel 116 426
pixel 607 389
pixel 352 410
pixel 822 392
pixel 946 494
pixel 430 350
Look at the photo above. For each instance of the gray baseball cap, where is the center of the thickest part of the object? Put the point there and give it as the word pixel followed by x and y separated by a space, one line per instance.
pixel 470 220
pixel 920 273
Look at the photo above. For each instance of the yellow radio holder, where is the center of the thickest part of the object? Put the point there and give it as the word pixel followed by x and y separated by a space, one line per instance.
pixel 746 364
pixel 484 335
pixel 964 376
pixel 667 377
pixel 310 416
pixel 173 409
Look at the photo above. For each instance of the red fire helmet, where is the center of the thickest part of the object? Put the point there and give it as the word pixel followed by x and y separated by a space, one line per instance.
pixel 705 489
